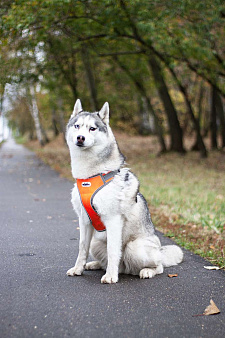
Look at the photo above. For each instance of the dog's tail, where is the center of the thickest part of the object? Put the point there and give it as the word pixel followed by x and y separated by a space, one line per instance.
pixel 171 255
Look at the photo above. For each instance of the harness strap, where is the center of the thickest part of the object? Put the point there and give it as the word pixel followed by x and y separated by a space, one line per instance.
pixel 88 188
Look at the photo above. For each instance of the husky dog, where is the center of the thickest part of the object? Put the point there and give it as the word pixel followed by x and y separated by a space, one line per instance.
pixel 129 245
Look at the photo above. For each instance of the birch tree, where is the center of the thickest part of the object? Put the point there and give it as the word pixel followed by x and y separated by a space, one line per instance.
pixel 35 114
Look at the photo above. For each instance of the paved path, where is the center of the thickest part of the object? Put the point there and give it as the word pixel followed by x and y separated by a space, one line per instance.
pixel 39 242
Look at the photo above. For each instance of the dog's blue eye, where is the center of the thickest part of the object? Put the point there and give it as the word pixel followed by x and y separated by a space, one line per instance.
pixel 92 129
pixel 76 126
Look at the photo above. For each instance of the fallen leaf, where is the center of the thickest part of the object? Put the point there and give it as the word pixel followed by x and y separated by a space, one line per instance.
pixel 211 267
pixel 172 275
pixel 212 309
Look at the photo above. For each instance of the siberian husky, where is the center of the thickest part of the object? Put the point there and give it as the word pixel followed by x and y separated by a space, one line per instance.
pixel 129 245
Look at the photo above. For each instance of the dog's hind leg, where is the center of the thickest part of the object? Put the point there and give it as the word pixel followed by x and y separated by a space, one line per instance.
pixel 143 257
pixel 98 250
pixel 94 265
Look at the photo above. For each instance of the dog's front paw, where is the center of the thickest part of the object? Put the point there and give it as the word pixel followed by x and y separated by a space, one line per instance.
pixel 109 279
pixel 75 271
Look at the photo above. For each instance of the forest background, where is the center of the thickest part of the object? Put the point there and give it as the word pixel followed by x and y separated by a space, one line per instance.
pixel 160 64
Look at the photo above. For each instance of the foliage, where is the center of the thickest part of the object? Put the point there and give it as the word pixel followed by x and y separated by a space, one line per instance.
pixel 71 48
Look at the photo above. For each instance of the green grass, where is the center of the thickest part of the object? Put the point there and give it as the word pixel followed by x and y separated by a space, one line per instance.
pixel 20 139
pixel 189 192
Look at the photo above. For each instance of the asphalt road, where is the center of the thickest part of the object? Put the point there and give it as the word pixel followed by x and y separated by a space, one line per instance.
pixel 39 242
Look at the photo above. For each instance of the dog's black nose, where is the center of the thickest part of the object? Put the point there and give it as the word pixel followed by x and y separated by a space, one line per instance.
pixel 80 139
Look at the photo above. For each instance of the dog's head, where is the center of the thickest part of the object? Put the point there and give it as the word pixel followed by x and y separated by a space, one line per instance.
pixel 85 129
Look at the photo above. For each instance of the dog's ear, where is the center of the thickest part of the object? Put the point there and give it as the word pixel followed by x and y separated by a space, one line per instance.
pixel 77 108
pixel 104 113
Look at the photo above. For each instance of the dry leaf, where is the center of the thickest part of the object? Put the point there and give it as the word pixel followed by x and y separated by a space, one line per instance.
pixel 172 275
pixel 212 309
pixel 211 267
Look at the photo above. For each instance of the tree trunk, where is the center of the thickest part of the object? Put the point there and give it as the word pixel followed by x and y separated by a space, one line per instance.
pixel 146 120
pixel 213 119
pixel 2 93
pixel 158 127
pixel 200 99
pixel 89 77
pixel 31 135
pixel 142 91
pixel 175 130
pixel 54 123
pixel 200 142
pixel 195 146
pixel 220 114
pixel 35 114
pixel 45 137
pixel 61 118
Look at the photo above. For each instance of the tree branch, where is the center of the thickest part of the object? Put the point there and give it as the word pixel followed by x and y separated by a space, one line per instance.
pixel 143 51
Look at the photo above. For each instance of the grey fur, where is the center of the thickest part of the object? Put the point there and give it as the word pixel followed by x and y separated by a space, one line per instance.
pixel 126 177
pixel 146 216
pixel 96 119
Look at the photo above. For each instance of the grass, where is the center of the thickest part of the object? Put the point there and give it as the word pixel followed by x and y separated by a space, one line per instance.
pixel 186 194
pixel 20 139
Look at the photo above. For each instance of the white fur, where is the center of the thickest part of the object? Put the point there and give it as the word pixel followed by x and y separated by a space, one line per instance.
pixel 77 108
pixel 104 113
pixel 129 244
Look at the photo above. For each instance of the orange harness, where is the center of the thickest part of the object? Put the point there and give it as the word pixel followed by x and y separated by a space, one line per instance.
pixel 88 188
